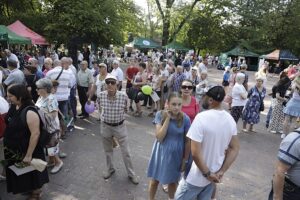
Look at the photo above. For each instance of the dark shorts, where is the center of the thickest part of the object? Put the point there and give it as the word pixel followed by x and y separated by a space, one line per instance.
pixel 236 112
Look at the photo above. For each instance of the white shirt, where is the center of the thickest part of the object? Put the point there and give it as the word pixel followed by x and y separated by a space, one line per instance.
pixel 80 57
pixel 214 139
pixel 65 82
pixel 100 85
pixel 188 74
pixel 118 73
pixel 237 90
pixel 73 79
pixel 202 67
pixel 4 106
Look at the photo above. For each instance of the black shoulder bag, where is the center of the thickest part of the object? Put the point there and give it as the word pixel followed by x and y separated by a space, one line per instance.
pixel 262 105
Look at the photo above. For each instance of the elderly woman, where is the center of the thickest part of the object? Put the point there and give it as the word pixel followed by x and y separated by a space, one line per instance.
pixel 228 97
pixel 21 143
pixel 195 78
pixel 251 112
pixel 47 65
pixel 47 102
pixel 292 109
pixel 239 97
pixel 202 86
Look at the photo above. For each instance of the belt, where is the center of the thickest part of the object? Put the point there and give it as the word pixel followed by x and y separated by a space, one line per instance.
pixel 115 124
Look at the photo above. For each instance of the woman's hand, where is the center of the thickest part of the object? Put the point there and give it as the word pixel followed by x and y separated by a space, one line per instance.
pixel 27 159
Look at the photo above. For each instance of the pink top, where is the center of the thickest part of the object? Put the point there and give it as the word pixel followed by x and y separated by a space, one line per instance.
pixel 191 110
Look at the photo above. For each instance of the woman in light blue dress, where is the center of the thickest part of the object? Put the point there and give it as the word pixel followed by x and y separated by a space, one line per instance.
pixel 171 149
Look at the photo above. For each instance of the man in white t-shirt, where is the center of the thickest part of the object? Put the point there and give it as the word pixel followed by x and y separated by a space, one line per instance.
pixel 118 73
pixel 214 147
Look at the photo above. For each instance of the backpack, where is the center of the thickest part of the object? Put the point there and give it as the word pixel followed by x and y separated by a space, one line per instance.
pixel 46 138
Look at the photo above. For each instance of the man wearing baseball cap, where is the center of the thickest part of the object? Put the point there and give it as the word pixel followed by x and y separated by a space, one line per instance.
pixel 113 105
pixel 214 147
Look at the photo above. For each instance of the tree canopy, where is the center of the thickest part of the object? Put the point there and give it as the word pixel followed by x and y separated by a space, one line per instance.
pixel 210 25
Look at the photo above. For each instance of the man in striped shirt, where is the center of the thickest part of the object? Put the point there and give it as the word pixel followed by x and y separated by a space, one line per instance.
pixel 64 78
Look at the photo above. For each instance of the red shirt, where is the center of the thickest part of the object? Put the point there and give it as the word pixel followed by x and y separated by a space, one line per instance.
pixel 191 110
pixel 131 72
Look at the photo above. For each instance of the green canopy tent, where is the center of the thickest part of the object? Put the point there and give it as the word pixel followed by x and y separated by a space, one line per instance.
pixel 250 57
pixel 10 37
pixel 177 46
pixel 145 43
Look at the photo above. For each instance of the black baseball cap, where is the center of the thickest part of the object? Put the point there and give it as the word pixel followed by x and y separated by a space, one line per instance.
pixel 217 93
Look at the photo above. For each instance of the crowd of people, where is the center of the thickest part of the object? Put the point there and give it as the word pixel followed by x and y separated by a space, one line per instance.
pixel 190 154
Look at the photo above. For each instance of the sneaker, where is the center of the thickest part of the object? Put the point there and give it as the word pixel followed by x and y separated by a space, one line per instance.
pixel 165 188
pixel 282 136
pixel 56 168
pixel 107 174
pixel 274 132
pixel 134 179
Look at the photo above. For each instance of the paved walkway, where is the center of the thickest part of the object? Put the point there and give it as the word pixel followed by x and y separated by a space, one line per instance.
pixel 248 179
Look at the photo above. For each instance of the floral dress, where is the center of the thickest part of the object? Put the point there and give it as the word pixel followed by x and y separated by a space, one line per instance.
pixel 251 113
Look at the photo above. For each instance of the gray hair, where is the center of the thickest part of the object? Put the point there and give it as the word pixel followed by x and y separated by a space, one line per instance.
pixel 45 83
pixel 56 63
pixel 12 63
pixel 240 77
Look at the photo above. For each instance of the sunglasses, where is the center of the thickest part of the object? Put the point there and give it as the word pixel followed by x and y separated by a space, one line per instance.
pixel 110 82
pixel 186 87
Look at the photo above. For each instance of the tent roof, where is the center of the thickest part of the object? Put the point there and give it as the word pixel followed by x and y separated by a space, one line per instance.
pixel 11 37
pixel 280 55
pixel 287 55
pixel 20 29
pixel 238 51
pixel 177 46
pixel 274 55
pixel 145 43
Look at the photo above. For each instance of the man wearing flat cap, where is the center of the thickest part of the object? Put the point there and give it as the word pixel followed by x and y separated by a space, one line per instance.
pixel 214 147
pixel 113 105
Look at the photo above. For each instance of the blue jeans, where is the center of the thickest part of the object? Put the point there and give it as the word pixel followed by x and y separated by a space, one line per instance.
pixel 186 191
pixel 63 107
pixel 269 115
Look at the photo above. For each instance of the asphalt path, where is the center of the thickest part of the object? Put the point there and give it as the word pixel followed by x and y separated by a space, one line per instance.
pixel 249 178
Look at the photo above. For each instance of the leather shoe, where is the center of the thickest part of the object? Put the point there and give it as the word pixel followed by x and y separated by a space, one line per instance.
pixel 134 179
pixel 107 174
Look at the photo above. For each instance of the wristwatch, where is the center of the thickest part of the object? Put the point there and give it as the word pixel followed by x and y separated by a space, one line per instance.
pixel 206 174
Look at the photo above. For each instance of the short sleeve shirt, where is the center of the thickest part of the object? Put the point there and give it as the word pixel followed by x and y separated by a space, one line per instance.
pixel 16 76
pixel 85 78
pixel 118 73
pixel 237 90
pixel 214 138
pixel 289 153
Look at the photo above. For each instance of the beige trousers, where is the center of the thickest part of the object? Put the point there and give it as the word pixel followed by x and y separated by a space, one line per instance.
pixel 120 133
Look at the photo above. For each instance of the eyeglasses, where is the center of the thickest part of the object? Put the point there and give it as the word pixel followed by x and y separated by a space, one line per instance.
pixel 186 87
pixel 39 88
pixel 110 82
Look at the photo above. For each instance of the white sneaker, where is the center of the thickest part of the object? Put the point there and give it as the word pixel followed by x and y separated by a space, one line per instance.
pixel 56 168
pixel 283 135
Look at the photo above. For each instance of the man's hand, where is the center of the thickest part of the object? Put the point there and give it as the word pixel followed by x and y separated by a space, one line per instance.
pixel 88 101
pixel 220 175
pixel 213 178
